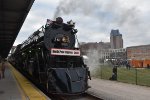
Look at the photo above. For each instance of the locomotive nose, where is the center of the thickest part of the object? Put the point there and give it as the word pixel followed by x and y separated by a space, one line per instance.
pixel 69 80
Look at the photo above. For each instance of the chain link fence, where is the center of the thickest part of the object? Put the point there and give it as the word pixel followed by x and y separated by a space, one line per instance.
pixel 139 76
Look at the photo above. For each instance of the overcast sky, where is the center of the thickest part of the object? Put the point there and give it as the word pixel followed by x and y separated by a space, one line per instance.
pixel 94 19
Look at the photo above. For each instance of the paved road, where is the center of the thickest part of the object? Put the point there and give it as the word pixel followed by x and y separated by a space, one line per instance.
pixel 111 90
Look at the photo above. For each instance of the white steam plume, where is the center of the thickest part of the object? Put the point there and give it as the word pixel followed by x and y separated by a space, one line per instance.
pixel 93 59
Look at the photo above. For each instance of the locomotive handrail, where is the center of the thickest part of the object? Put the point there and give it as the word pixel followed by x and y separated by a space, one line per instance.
pixel 33 36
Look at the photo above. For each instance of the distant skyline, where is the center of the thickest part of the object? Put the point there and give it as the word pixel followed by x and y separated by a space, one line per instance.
pixel 94 19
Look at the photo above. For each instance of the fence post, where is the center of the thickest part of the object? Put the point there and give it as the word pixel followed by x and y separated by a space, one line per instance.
pixel 136 75
pixel 101 70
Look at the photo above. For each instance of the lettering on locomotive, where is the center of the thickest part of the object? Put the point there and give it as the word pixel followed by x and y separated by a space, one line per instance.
pixel 65 52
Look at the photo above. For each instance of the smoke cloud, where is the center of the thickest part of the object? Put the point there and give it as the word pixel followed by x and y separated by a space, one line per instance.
pixel 127 16
pixel 110 11
pixel 73 6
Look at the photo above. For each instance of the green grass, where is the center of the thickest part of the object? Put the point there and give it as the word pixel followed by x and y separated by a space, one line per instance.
pixel 103 71
pixel 125 75
pixel 141 77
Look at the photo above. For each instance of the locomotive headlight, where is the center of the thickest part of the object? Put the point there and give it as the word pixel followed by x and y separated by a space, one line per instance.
pixel 57 39
pixel 65 39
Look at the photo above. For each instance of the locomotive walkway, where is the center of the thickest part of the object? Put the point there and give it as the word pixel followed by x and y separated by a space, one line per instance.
pixel 16 87
pixel 111 90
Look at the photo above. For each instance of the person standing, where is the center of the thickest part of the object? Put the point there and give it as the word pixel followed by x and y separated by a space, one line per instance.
pixel 114 73
pixel 1 73
pixel 2 68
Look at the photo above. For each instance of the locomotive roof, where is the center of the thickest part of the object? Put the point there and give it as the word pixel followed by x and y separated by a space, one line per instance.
pixel 11 20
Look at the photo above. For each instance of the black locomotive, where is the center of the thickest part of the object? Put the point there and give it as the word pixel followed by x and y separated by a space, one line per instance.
pixel 50 58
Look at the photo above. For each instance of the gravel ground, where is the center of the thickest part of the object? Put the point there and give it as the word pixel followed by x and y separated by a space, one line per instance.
pixel 111 90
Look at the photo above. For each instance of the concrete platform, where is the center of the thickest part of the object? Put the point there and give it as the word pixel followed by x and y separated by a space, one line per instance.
pixel 9 88
pixel 16 87
pixel 111 90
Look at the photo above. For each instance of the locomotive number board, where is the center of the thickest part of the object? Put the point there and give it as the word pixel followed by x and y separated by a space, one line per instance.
pixel 65 52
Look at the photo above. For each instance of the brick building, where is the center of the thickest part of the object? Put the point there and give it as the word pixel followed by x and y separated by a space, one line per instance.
pixel 139 56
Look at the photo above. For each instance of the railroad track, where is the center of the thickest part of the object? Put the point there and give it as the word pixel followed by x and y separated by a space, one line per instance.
pixel 84 96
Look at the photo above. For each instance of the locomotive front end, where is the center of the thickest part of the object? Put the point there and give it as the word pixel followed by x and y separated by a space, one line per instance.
pixel 67 80
pixel 67 73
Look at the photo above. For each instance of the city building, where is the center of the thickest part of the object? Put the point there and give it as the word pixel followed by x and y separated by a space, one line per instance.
pixel 116 40
pixel 117 53
pixel 98 46
pixel 114 53
pixel 139 56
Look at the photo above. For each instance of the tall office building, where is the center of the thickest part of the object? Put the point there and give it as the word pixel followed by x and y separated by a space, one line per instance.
pixel 116 40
